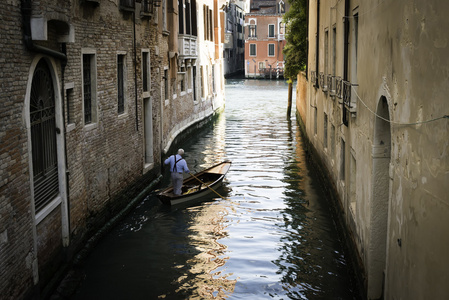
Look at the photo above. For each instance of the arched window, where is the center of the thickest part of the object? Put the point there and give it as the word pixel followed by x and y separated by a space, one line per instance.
pixel 43 136
pixel 252 28
pixel 281 7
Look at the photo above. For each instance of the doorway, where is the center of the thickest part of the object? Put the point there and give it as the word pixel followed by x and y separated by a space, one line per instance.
pixel 380 200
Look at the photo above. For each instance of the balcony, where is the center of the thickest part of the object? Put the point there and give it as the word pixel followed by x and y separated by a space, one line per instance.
pixel 229 40
pixel 147 8
pixel 127 5
pixel 338 87
pixel 187 46
pixel 323 82
pixel 331 85
pixel 347 97
pixel 313 79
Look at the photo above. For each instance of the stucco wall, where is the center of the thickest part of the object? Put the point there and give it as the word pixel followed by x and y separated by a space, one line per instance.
pixel 393 176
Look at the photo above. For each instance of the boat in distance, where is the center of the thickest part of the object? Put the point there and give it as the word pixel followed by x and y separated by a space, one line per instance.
pixel 198 185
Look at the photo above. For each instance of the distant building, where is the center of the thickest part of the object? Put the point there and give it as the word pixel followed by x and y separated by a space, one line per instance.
pixel 234 44
pixel 374 107
pixel 94 93
pixel 265 39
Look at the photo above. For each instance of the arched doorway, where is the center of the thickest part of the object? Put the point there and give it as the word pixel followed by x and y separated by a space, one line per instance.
pixel 381 155
pixel 43 136
pixel 43 107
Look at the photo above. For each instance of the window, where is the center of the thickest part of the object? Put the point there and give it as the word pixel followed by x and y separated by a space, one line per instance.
pixel 70 105
pixel 326 52
pixel 252 29
pixel 261 65
pixel 193 17
pixel 356 37
pixel 146 80
pixel 353 184
pixel 121 83
pixel 211 26
pixel 208 23
pixel 281 28
pixel 127 5
pixel 271 30
pixel 208 81
pixel 147 6
pixel 205 22
pixel 166 84
pixel 43 136
pixel 334 50
pixel 89 89
pixel 194 83
pixel 164 15
pixel 201 80
pixel 148 130
pixel 332 140
pixel 281 7
pixel 189 79
pixel 181 17
pixel 342 160
pixel 213 79
pixel 252 49
pixel 182 81
pixel 325 131
pixel 270 49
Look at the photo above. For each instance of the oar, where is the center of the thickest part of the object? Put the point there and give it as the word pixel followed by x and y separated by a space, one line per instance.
pixel 208 186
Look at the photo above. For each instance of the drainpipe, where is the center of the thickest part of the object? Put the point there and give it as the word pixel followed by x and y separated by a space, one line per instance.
pixel 346 57
pixel 135 70
pixel 317 61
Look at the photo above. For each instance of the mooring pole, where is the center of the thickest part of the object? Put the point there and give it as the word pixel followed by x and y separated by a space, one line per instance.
pixel 290 91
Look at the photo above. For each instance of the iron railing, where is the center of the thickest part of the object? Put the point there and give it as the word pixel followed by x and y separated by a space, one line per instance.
pixel 347 93
pixel 313 78
pixel 338 86
pixel 322 82
pixel 43 137
pixel 331 84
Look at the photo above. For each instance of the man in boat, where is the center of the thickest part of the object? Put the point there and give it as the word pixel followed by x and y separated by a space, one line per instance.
pixel 178 165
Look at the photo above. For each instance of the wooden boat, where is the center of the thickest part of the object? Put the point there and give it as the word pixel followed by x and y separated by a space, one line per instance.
pixel 200 185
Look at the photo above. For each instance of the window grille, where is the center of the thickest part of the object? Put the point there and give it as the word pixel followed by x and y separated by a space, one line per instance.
pixel 270 49
pixel 145 71
pixel 271 30
pixel 252 31
pixel 87 88
pixel 347 93
pixel 121 83
pixel 252 49
pixel 43 137
pixel 338 83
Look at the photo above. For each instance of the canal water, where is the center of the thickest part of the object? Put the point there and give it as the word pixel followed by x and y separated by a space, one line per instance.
pixel 270 236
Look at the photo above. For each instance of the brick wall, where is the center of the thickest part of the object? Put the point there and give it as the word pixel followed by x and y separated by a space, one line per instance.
pixel 16 237
pixel 101 165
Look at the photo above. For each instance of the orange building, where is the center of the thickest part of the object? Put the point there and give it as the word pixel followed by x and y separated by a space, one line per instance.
pixel 265 39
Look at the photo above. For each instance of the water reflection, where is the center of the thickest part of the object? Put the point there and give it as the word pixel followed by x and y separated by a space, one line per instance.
pixel 271 238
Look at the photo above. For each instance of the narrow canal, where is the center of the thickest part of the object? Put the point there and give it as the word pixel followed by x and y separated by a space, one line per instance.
pixel 273 237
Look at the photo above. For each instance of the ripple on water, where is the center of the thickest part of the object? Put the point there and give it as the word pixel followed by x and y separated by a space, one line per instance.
pixel 271 238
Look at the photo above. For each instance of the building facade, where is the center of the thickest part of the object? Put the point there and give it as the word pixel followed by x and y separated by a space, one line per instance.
pixel 234 44
pixel 373 106
pixel 265 39
pixel 93 95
